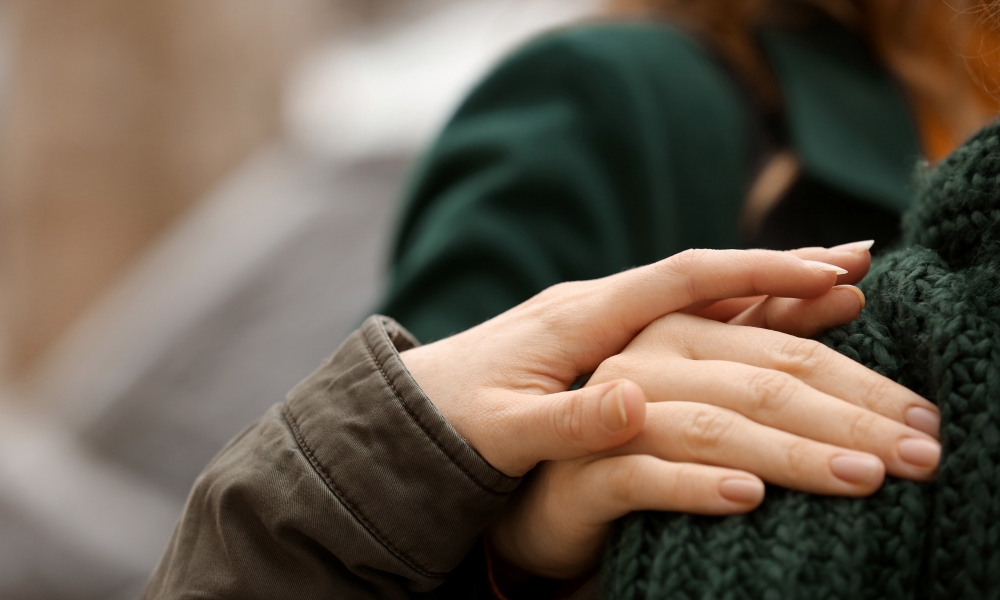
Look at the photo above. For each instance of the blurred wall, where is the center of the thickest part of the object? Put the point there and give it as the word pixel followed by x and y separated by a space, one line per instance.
pixel 119 115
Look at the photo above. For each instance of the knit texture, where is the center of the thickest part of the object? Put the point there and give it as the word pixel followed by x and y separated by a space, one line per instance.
pixel 932 323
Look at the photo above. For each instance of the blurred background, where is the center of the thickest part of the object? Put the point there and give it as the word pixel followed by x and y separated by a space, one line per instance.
pixel 196 199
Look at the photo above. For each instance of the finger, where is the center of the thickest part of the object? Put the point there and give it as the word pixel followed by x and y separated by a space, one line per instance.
pixel 593 320
pixel 619 485
pixel 575 423
pixel 700 433
pixel 805 318
pixel 720 274
pixel 782 402
pixel 813 363
pixel 723 310
pixel 558 522
pixel 854 257
pixel 633 299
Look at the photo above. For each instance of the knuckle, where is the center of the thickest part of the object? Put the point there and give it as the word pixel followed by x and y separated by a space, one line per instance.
pixel 797 458
pixel 797 355
pixel 614 364
pixel 568 419
pixel 685 260
pixel 557 295
pixel 682 479
pixel 671 333
pixel 672 324
pixel 771 390
pixel 708 428
pixel 560 306
pixel 686 264
pixel 880 394
pixel 665 332
pixel 862 427
pixel 558 290
pixel 880 387
pixel 613 367
pixel 626 482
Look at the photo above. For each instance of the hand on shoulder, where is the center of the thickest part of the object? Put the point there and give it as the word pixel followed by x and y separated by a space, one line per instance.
pixel 686 410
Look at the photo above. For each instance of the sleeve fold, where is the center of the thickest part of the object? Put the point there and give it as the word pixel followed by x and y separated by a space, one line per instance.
pixel 356 486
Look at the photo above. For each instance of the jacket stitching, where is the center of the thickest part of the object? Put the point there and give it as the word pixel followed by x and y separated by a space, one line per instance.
pixel 351 506
pixel 455 461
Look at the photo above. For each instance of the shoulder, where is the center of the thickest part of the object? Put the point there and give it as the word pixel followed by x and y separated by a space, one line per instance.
pixel 631 44
pixel 612 62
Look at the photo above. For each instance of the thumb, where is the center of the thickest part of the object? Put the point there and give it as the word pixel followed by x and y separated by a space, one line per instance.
pixel 579 422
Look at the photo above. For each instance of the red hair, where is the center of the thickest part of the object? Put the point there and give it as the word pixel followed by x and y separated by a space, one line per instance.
pixel 943 51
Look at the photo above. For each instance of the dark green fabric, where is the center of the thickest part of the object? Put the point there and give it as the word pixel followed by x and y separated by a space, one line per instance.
pixel 568 163
pixel 932 323
pixel 847 121
pixel 613 145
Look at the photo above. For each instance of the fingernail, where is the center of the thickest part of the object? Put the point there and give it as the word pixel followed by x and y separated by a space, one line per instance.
pixel 823 267
pixel 925 420
pixel 613 412
pixel 743 491
pixel 857 292
pixel 855 246
pixel 856 469
pixel 920 453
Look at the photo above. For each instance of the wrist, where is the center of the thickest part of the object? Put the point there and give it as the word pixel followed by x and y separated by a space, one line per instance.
pixel 510 582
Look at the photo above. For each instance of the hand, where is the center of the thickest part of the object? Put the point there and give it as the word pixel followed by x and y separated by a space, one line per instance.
pixel 503 384
pixel 782 408
pixel 789 315
pixel 734 397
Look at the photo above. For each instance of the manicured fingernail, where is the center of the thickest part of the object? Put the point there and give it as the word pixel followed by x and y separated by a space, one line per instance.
pixel 823 267
pixel 613 412
pixel 920 453
pixel 743 491
pixel 925 420
pixel 856 469
pixel 855 246
pixel 856 291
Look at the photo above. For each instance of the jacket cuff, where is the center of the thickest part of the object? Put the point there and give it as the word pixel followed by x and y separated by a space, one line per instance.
pixel 416 487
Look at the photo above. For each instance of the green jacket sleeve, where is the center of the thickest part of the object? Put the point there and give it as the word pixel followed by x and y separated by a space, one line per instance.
pixel 355 487
pixel 590 151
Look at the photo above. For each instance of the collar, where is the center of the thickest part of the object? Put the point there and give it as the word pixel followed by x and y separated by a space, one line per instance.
pixel 847 119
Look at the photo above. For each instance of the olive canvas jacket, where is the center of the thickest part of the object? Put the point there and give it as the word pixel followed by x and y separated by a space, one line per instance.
pixel 354 487
pixel 591 150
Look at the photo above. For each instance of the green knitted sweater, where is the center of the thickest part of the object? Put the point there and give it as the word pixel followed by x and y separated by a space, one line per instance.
pixel 932 323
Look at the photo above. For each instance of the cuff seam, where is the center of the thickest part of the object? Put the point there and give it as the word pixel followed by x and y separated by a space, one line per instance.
pixel 416 419
pixel 353 508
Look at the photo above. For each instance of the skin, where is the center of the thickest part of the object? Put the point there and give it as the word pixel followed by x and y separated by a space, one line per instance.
pixel 702 388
